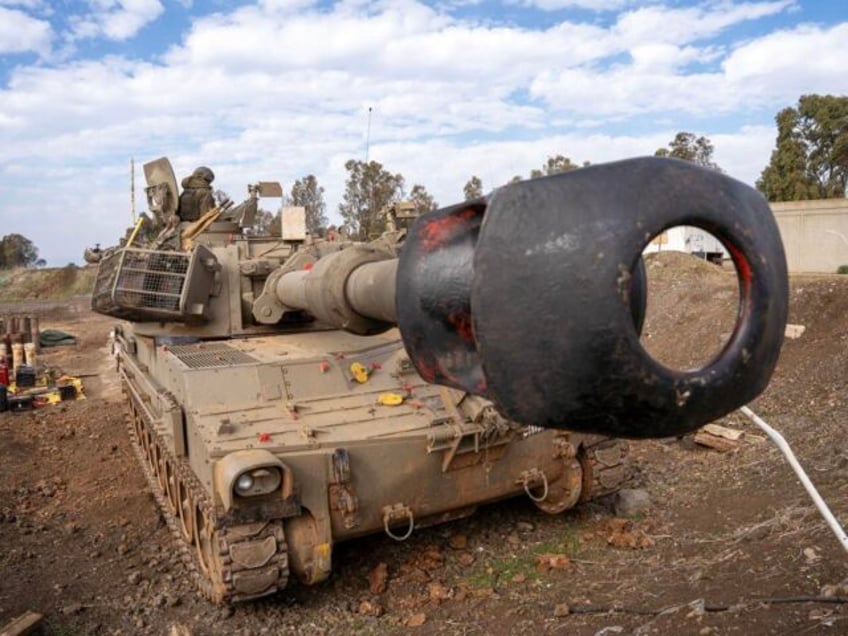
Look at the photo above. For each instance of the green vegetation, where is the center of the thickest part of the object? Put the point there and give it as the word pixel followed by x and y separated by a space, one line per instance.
pixel 499 570
pixel 810 160
pixel 690 148
pixel 16 250
pixel 307 193
pixel 49 283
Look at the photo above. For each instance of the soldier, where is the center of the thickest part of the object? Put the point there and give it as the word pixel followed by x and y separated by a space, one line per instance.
pixel 196 198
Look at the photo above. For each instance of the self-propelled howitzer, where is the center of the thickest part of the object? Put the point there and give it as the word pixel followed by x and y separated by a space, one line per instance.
pixel 276 412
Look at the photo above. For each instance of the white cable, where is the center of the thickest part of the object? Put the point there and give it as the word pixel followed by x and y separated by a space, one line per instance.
pixel 780 442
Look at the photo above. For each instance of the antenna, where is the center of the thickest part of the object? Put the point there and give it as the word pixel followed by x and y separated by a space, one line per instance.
pixel 132 188
pixel 368 135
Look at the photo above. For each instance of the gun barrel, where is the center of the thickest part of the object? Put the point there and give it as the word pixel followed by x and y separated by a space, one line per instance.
pixel 368 291
pixel 534 296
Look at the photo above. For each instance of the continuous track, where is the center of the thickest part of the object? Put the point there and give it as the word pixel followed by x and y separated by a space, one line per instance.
pixel 606 467
pixel 230 563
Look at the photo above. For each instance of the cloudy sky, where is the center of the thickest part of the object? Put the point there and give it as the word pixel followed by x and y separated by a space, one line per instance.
pixel 278 89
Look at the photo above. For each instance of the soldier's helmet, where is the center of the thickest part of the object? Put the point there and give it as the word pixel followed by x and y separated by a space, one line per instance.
pixel 204 173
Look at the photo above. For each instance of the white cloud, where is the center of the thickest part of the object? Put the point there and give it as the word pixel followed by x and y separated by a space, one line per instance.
pixel 593 5
pixel 759 74
pixel 115 19
pixel 21 33
pixel 689 24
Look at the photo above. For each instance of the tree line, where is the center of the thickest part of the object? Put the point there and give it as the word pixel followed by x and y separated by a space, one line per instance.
pixel 810 161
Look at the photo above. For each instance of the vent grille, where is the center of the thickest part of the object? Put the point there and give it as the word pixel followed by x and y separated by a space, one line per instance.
pixel 210 355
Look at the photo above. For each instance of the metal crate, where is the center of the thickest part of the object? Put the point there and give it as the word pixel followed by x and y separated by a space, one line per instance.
pixel 150 285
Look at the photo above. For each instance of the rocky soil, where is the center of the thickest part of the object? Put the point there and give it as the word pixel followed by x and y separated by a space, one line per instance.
pixel 728 544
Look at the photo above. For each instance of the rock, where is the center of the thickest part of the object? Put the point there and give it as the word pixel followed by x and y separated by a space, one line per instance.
pixel 139 622
pixel 466 559
pixel 513 539
pixel 630 501
pixel 431 559
pixel 227 611
pixel 793 332
pixel 562 609
pixel 73 609
pixel 524 526
pixel 416 620
pixel 134 578
pixel 624 533
pixel 547 562
pixel 438 592
pixel 367 608
pixel 458 542
pixel 829 591
pixel 519 578
pixel 378 578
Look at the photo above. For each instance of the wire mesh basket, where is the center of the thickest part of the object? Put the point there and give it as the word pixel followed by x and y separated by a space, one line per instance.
pixel 143 285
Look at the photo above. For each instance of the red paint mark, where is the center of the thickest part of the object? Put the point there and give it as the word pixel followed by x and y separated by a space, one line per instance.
pixel 743 267
pixel 264 437
pixel 461 322
pixel 482 387
pixel 407 387
pixel 439 231
pixel 324 366
pixel 308 266
pixel 376 365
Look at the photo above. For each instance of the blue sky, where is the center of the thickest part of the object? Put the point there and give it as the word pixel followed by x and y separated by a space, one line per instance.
pixel 278 89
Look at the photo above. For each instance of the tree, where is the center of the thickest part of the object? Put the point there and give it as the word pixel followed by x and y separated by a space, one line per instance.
pixel 266 223
pixel 368 189
pixel 421 199
pixel 553 165
pixel 17 250
pixel 473 189
pixel 307 193
pixel 810 160
pixel 690 148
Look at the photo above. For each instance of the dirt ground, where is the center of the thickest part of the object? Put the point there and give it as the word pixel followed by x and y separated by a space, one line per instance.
pixel 730 544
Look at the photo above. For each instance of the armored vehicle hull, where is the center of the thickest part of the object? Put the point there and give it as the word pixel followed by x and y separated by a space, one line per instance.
pixel 352 464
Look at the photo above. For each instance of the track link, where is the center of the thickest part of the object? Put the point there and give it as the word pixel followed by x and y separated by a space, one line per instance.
pixel 229 563
pixel 606 467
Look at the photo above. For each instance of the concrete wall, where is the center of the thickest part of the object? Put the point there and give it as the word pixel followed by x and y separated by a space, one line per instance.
pixel 814 233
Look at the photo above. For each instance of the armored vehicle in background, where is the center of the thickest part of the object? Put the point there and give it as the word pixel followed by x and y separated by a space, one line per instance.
pixel 290 392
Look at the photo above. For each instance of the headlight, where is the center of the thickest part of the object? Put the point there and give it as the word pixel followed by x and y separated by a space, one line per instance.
pixel 244 483
pixel 259 481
